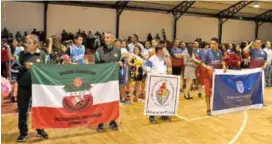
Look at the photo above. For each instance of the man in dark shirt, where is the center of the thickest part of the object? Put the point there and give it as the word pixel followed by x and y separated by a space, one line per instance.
pixel 5 33
pixel 26 59
pixel 18 36
pixel 64 36
pixel 34 32
pixel 104 54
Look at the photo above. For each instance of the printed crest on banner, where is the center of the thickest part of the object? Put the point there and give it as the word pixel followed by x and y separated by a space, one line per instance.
pixel 240 86
pixel 161 92
pixel 78 99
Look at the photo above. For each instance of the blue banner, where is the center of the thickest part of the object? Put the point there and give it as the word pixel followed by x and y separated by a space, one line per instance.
pixel 237 92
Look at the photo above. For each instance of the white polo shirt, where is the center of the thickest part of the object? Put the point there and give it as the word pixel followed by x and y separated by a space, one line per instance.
pixel 269 55
pixel 156 64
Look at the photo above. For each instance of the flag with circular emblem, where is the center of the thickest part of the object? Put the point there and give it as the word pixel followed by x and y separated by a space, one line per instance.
pixel 74 95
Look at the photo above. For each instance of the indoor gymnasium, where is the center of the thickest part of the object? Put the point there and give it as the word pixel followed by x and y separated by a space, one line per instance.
pixel 136 72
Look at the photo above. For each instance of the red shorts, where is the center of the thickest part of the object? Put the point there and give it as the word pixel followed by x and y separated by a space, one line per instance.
pixel 208 83
pixel 200 75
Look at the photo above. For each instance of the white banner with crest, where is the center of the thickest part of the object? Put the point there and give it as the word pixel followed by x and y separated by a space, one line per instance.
pixel 162 95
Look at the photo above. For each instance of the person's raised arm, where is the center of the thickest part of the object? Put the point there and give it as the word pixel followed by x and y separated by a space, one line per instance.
pixel 168 61
pixel 50 45
pixel 247 48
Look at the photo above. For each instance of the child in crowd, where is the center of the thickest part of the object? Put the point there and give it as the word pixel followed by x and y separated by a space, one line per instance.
pixel 123 70
pixel 77 50
pixel 125 53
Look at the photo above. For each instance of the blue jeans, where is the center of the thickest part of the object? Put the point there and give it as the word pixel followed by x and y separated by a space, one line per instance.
pixel 268 73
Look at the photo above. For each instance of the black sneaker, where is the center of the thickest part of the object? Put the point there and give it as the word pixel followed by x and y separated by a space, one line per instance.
pixel 100 128
pixel 165 118
pixel 152 120
pixel 114 126
pixel 22 137
pixel 12 99
pixel 199 95
pixel 41 133
pixel 123 101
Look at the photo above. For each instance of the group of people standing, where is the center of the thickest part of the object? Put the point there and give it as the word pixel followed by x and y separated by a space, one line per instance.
pixel 197 64
pixel 194 64
pixel 74 53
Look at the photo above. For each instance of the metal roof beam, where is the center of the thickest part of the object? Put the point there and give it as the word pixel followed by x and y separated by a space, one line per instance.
pixel 178 11
pixel 266 16
pixel 120 6
pixel 101 5
pixel 181 8
pixel 232 10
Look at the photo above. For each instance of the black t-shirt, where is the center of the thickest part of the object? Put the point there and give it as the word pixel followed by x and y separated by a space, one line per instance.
pixel 24 76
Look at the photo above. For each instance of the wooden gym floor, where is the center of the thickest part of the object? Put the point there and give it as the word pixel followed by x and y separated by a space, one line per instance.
pixel 191 127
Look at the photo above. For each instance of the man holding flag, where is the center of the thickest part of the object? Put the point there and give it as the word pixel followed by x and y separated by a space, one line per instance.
pixel 104 54
pixel 26 59
pixel 212 59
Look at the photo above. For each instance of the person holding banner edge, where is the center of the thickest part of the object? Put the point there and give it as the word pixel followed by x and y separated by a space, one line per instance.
pixel 212 59
pixel 31 55
pixel 104 54
pixel 158 63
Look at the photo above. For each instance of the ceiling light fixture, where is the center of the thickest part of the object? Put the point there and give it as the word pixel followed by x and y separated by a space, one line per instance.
pixel 256 5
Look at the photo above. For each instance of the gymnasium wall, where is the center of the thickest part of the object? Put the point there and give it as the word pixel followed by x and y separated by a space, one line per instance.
pixel 237 30
pixel 191 27
pixel 21 16
pixel 25 16
pixel 72 18
pixel 265 32
pixel 142 23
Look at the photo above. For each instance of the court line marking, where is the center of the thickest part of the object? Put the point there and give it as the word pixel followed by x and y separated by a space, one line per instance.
pixel 199 118
pixel 241 129
pixel 269 105
pixel 181 117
